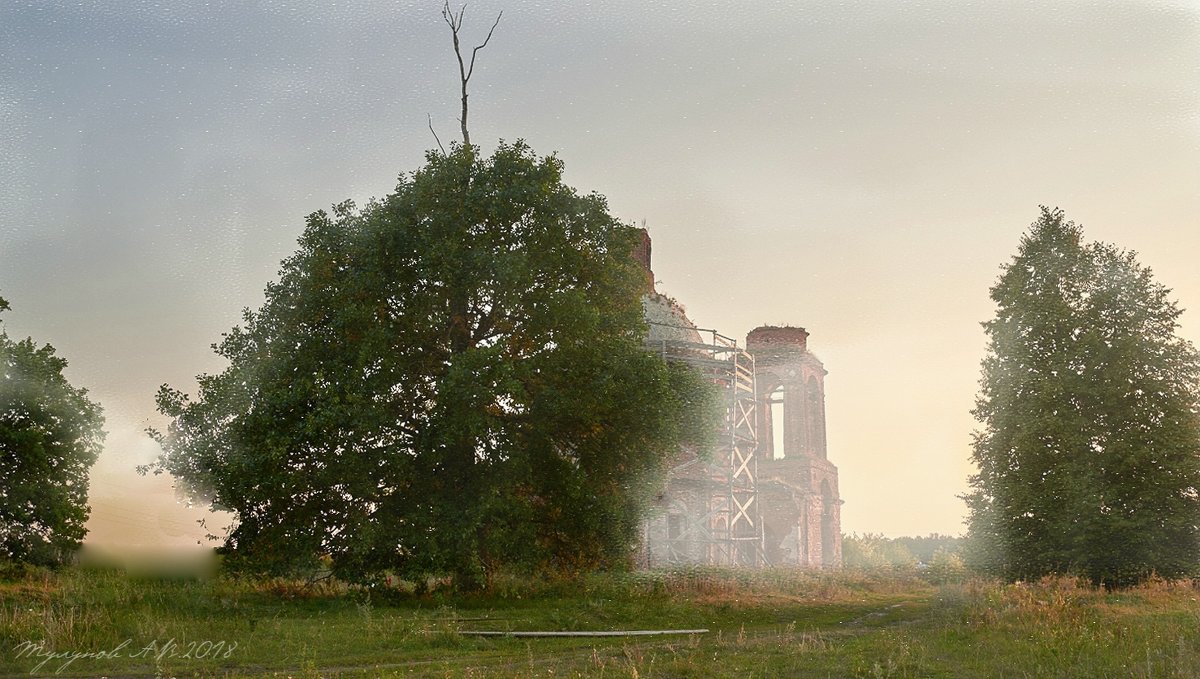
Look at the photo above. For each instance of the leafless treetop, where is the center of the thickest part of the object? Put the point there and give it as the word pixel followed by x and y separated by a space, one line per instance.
pixel 455 22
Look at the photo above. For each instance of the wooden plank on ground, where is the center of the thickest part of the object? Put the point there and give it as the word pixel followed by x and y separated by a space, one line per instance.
pixel 608 633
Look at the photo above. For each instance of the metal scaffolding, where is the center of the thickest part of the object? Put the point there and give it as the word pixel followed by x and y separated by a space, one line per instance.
pixel 732 529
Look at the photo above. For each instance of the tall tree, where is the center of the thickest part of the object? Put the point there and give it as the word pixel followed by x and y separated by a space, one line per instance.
pixel 50 434
pixel 448 380
pixel 1089 453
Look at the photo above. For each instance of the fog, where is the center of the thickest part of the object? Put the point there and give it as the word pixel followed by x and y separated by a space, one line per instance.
pixel 859 169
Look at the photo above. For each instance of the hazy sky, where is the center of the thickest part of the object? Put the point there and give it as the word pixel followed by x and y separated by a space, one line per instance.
pixel 861 169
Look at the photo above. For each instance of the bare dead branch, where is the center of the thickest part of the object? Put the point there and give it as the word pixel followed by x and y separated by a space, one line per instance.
pixel 486 40
pixel 455 22
pixel 435 137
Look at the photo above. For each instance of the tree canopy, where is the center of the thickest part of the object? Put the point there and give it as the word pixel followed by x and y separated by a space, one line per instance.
pixel 447 380
pixel 50 435
pixel 1089 452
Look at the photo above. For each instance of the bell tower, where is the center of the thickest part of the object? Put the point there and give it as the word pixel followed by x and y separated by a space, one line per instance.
pixel 797 485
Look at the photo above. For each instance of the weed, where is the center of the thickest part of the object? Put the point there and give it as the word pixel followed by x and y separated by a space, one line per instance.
pixel 781 622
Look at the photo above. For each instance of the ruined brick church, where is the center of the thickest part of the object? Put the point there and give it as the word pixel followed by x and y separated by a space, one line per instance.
pixel 769 495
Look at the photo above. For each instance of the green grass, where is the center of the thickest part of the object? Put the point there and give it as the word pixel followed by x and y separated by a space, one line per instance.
pixel 762 624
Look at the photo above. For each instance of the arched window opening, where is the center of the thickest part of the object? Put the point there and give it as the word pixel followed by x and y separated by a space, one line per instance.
pixel 777 419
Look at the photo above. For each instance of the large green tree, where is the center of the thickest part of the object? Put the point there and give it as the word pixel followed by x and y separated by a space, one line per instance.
pixel 1089 452
pixel 448 380
pixel 50 434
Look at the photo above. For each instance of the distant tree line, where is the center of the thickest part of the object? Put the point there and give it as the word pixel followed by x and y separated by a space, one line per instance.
pixel 874 550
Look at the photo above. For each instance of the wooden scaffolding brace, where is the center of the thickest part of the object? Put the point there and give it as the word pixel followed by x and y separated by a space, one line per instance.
pixel 732 528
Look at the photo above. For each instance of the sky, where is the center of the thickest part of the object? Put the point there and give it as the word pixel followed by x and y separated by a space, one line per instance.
pixel 862 169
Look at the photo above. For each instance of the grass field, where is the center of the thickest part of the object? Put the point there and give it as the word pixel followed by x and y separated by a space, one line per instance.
pixel 778 623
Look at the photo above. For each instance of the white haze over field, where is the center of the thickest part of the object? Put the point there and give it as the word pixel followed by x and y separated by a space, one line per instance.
pixel 861 169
